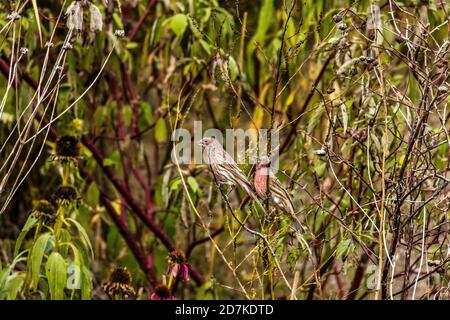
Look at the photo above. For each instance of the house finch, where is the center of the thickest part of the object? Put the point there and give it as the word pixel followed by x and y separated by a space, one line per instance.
pixel 224 168
pixel 277 194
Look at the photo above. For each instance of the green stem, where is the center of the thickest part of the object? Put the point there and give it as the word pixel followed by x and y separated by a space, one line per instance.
pixel 170 279
pixel 58 226
pixel 66 171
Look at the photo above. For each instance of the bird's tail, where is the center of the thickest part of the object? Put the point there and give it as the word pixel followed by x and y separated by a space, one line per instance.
pixel 297 225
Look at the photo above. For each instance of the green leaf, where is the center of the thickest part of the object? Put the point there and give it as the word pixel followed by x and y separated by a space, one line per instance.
pixel 161 130
pixel 343 248
pixel 92 195
pixel 56 275
pixel 266 17
pixel 113 159
pixel 178 23
pixel 83 233
pixel 320 169
pixel 86 283
pixel 14 284
pixel 36 258
pixel 38 22
pixel 132 45
pixel 315 117
pixel 193 184
pixel 31 222
pixel 264 21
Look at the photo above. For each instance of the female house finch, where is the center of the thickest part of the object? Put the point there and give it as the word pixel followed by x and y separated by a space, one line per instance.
pixel 224 168
pixel 277 194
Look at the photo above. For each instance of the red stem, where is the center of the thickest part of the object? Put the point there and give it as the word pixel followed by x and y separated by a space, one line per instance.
pixel 138 25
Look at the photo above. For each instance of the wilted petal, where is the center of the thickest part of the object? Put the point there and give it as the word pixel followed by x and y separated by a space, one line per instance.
pixel 175 270
pixel 75 16
pixel 154 296
pixel 185 272
pixel 96 22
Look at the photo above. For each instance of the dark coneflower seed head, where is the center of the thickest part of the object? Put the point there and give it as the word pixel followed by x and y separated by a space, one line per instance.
pixel 68 147
pixel 119 284
pixel 177 256
pixel 120 275
pixel 43 206
pixel 44 211
pixel 163 291
pixel 65 194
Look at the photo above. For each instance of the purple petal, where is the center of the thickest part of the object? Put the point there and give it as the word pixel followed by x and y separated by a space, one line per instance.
pixel 185 271
pixel 154 296
pixel 175 270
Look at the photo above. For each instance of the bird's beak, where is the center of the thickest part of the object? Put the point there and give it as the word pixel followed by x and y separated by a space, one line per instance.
pixel 200 143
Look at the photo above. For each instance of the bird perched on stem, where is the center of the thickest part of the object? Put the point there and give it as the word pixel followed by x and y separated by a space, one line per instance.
pixel 225 170
pixel 277 194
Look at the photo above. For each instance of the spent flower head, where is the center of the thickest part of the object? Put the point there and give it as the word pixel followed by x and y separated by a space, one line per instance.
pixel 67 149
pixel 64 195
pixel 44 210
pixel 77 20
pixel 176 263
pixel 119 284
pixel 162 292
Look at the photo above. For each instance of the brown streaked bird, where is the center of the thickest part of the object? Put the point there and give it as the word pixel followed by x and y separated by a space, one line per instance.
pixel 225 170
pixel 278 195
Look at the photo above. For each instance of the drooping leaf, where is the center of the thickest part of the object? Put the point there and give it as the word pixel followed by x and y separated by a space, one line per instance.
pixel 83 233
pixel 161 130
pixel 14 284
pixel 56 273
pixel 178 23
pixel 31 222
pixel 343 248
pixel 92 195
pixel 36 258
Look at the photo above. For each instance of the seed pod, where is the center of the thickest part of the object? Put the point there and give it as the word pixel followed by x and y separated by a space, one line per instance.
pixel 337 18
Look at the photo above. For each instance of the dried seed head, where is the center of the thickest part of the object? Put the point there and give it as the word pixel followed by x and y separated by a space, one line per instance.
pixel 337 18
pixel 76 18
pixel 342 26
pixel 13 16
pixel 68 146
pixel 44 206
pixel 65 194
pixel 95 23
pixel 67 46
pixel 119 33
pixel 370 59
pixel 330 90
pixel 320 152
pixel 120 275
pixel 176 256
pixel 74 15
pixel 119 284
pixel 44 211
pixel 162 292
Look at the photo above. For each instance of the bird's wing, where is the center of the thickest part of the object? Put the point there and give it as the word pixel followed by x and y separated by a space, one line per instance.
pixel 283 192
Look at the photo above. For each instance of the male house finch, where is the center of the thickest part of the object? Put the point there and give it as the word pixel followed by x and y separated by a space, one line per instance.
pixel 277 194
pixel 224 168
